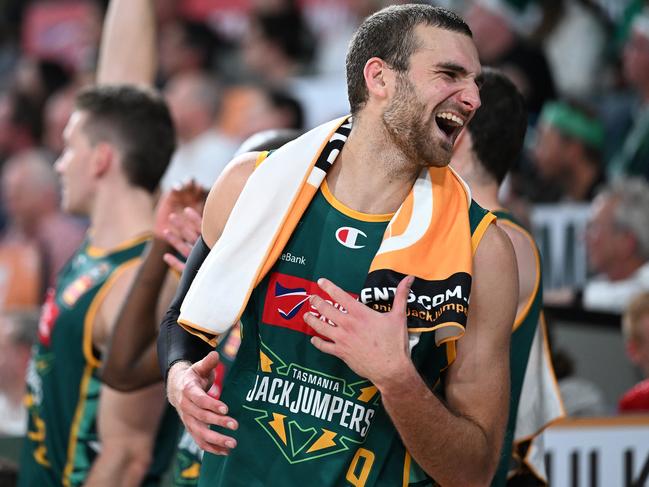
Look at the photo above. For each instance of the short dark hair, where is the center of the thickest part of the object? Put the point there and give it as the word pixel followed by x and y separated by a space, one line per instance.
pixel 389 34
pixel 499 125
pixel 138 122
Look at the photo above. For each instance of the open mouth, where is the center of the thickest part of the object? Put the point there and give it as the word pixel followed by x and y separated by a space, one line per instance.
pixel 450 124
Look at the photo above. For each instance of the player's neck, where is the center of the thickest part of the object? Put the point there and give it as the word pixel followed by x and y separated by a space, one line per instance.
pixel 370 176
pixel 485 195
pixel 118 216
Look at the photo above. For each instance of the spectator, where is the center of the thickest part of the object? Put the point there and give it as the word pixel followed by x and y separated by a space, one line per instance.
pixel 635 328
pixel 496 27
pixel 617 240
pixel 567 151
pixel 194 100
pixel 31 194
pixel 633 158
pixel 17 335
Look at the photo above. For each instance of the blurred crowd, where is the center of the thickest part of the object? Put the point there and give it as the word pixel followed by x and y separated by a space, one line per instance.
pixel 230 69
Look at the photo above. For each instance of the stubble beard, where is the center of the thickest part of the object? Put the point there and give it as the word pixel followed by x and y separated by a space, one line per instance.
pixel 409 130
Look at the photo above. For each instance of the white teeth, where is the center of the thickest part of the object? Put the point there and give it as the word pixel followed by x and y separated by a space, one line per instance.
pixel 453 118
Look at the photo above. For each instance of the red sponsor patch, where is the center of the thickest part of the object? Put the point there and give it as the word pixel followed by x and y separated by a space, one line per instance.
pixel 49 314
pixel 287 301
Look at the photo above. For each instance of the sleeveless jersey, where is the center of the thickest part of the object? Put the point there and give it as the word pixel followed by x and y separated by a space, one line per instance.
pixel 521 341
pixel 304 417
pixel 63 383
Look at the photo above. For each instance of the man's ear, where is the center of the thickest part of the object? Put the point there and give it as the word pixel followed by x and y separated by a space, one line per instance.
pixel 103 158
pixel 379 78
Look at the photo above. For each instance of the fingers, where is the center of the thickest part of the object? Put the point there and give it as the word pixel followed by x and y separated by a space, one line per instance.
pixel 323 345
pixel 337 294
pixel 206 438
pixel 327 310
pixel 177 242
pixel 184 227
pixel 174 262
pixel 321 327
pixel 194 220
pixel 400 303
pixel 205 367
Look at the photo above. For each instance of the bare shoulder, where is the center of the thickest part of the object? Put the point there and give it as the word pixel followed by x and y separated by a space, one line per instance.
pixel 224 195
pixel 526 259
pixel 495 245
pixel 495 279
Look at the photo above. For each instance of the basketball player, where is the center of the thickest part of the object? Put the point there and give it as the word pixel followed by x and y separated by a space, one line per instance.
pixel 320 396
pixel 483 155
pixel 118 143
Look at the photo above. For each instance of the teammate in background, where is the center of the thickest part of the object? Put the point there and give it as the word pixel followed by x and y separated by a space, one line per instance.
pixel 483 155
pixel 353 408
pixel 118 143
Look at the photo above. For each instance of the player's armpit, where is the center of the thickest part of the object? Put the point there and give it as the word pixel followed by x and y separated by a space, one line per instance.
pixel 477 385
pixel 224 195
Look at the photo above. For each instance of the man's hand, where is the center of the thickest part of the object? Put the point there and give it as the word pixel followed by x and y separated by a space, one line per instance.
pixel 178 220
pixel 186 390
pixel 372 344
pixel 175 201
pixel 181 233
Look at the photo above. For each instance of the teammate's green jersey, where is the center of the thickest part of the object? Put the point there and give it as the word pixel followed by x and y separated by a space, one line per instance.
pixel 304 417
pixel 63 384
pixel 521 341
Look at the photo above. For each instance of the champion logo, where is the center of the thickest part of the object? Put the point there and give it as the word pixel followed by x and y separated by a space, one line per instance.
pixel 349 237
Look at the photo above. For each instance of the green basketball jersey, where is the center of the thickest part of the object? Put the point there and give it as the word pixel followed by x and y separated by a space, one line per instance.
pixel 305 418
pixel 521 342
pixel 63 383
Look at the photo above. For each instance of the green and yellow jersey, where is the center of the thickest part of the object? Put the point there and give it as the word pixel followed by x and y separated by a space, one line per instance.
pixel 63 383
pixel 305 418
pixel 523 333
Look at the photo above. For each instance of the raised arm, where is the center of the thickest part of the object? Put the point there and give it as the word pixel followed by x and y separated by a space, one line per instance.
pixel 128 44
pixel 456 442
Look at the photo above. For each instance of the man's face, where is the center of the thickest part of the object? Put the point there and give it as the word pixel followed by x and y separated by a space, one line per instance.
pixel 547 152
pixel 435 98
pixel 74 167
pixel 603 235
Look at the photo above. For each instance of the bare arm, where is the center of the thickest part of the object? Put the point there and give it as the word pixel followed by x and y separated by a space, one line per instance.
pixel 128 45
pixel 456 443
pixel 127 431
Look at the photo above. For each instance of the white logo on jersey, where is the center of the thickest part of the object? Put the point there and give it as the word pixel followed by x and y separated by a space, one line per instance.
pixel 349 236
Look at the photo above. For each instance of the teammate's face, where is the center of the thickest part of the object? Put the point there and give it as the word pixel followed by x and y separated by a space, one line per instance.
pixel 435 98
pixel 74 167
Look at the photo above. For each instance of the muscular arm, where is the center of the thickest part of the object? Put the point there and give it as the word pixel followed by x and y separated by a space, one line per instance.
pixel 127 432
pixel 527 262
pixel 457 442
pixel 128 50
pixel 131 361
pixel 126 429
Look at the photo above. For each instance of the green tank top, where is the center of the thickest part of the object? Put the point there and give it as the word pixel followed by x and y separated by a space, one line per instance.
pixel 521 342
pixel 305 418
pixel 63 383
